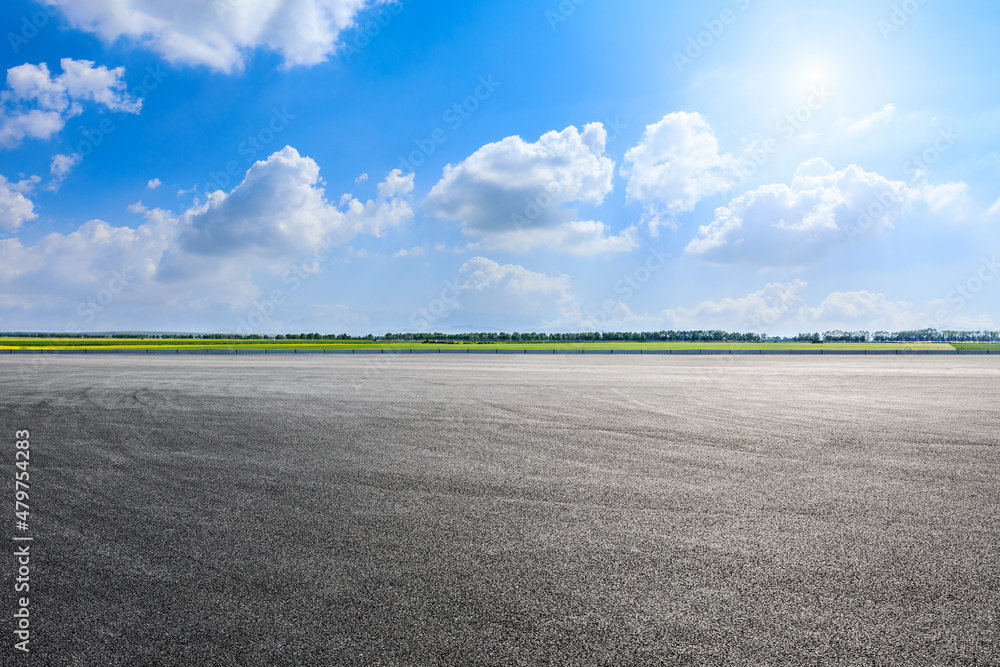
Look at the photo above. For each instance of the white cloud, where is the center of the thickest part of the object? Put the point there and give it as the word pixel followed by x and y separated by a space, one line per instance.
pixel 276 217
pixel 67 265
pixel 578 237
pixel 756 311
pixel 513 293
pixel 154 183
pixel 15 207
pixel 485 290
pixel 359 253
pixel 280 210
pixel 362 178
pixel 516 195
pixel 37 105
pixel 60 168
pixel 83 81
pixel 777 308
pixel 794 225
pixel 860 309
pixel 415 251
pixel 980 323
pixel 675 165
pixel 220 34
pixel 34 123
pixel 880 117
pixel 480 273
pixel 954 196
pixel 995 208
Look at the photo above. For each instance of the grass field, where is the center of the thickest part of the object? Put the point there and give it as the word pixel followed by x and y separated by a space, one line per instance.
pixel 155 343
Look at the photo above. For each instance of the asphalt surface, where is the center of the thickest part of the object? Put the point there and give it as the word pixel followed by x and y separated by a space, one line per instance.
pixel 422 510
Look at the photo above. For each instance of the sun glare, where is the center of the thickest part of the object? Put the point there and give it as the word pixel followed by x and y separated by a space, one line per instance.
pixel 813 75
pixel 804 52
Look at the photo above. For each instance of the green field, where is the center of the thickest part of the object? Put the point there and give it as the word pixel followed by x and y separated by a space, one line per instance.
pixel 197 344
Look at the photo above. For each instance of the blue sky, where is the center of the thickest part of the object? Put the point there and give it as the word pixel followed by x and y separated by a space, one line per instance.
pixel 352 166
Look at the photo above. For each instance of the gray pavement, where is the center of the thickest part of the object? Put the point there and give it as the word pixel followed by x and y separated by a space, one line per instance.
pixel 422 510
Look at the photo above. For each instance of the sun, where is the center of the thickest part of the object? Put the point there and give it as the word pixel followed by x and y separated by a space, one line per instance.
pixel 808 51
pixel 813 74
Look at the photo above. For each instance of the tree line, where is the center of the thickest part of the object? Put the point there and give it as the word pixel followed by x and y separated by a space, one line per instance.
pixel 485 336
pixel 695 336
pixel 920 335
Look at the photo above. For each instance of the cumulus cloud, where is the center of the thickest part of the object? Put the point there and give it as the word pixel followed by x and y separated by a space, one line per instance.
pixel 973 323
pixel 154 183
pixel 277 216
pixel 880 117
pixel 675 165
pixel 954 196
pixel 777 307
pixel 61 271
pixel 516 195
pixel 415 251
pixel 359 253
pixel 222 33
pixel 860 309
pixel 15 207
pixel 281 209
pixel 513 291
pixel 37 105
pixel 780 225
pixel 486 289
pixel 756 311
pixel 578 237
pixel 60 167
pixel 480 273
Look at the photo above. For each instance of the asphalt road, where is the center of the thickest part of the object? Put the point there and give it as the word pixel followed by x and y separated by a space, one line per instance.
pixel 412 510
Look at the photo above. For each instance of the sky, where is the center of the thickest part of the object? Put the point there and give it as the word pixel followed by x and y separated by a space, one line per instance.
pixel 354 166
